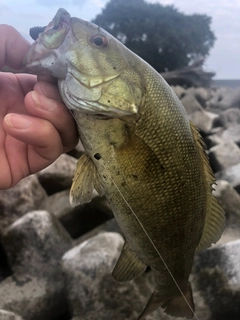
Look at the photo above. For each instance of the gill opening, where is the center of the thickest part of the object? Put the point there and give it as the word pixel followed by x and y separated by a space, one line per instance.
pixel 145 231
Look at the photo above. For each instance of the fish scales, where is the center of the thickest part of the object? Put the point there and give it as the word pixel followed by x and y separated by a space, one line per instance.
pixel 141 152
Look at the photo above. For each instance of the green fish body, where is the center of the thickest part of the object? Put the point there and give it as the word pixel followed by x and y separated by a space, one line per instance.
pixel 142 153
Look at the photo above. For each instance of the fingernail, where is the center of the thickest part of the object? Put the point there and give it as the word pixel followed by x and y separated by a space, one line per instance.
pixel 45 104
pixel 17 121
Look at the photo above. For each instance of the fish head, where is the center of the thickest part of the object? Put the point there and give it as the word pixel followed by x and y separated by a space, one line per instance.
pixel 96 72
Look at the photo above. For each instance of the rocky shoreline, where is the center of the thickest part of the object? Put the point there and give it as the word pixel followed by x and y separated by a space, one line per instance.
pixel 56 261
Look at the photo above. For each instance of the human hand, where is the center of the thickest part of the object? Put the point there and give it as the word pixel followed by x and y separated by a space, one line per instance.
pixel 35 126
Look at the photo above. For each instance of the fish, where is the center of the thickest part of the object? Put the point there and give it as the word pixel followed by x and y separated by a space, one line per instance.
pixel 141 152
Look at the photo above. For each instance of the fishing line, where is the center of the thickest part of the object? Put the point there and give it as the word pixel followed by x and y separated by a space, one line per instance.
pixel 169 271
pixel 141 225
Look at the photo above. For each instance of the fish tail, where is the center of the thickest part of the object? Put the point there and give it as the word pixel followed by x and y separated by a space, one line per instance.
pixel 179 306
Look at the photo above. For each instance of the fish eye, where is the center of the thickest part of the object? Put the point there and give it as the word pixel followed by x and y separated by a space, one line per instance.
pixel 99 40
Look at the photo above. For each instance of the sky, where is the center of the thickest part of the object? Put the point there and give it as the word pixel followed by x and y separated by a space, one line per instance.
pixel 224 57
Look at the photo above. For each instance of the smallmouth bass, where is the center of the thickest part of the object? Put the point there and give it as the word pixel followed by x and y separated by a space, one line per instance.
pixel 142 153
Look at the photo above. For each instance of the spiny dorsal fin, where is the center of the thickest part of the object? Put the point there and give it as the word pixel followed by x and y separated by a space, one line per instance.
pixel 128 266
pixel 215 218
pixel 85 179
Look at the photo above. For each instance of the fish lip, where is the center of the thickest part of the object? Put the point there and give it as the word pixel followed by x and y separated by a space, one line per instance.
pixel 62 19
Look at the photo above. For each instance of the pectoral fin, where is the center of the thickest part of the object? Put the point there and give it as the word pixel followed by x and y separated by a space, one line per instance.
pixel 128 266
pixel 85 179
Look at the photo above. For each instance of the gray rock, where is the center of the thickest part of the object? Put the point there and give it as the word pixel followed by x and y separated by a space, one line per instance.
pixel 232 133
pixel 58 176
pixel 201 94
pixel 26 196
pixel 224 155
pixel 230 117
pixel 232 175
pixel 225 98
pixel 205 121
pixel 213 140
pixel 6 315
pixel 229 199
pixel 179 91
pixel 218 276
pixel 77 151
pixel 81 219
pixel 191 104
pixel 93 294
pixel 34 245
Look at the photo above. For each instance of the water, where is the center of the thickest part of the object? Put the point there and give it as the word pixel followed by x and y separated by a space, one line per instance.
pixel 227 83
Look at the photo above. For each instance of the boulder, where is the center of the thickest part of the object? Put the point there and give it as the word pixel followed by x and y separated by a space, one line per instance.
pixel 78 151
pixel 232 175
pixel 205 121
pixel 229 199
pixel 58 176
pixel 230 117
pixel 179 91
pixel 190 103
pixel 92 293
pixel 34 245
pixel 224 98
pixel 81 219
pixel 26 196
pixel 6 315
pixel 219 155
pixel 218 279
pixel 232 133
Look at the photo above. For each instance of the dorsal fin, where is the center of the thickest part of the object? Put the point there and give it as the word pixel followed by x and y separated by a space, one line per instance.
pixel 215 218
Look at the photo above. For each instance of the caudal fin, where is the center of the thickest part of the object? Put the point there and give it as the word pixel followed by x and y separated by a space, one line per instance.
pixel 177 307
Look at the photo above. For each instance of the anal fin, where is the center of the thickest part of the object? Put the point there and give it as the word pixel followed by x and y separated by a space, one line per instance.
pixel 176 307
pixel 128 266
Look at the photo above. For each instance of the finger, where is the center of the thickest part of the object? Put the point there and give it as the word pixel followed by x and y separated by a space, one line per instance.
pixel 49 79
pixel 50 90
pixel 13 47
pixel 55 112
pixel 43 140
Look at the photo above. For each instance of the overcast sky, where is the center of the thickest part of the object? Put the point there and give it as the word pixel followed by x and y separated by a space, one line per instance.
pixel 224 58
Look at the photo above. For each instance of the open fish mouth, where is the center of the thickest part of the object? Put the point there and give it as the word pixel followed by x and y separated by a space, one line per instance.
pixel 61 20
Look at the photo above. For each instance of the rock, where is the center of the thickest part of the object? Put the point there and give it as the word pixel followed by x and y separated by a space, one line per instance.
pixel 201 94
pixel 213 140
pixel 232 175
pixel 232 133
pixel 34 245
pixel 5 270
pixel 205 121
pixel 81 219
pixel 58 176
pixel 78 151
pixel 230 117
pixel 179 91
pixel 191 104
pixel 92 293
pixel 108 226
pixel 219 155
pixel 218 274
pixel 225 98
pixel 6 315
pixel 229 199
pixel 27 195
